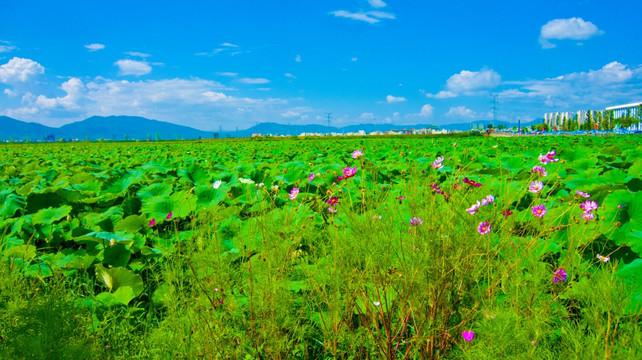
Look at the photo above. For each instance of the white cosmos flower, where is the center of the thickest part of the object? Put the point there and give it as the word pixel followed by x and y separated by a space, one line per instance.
pixel 217 184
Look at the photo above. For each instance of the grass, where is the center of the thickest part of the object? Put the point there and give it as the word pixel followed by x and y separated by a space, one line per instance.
pixel 359 283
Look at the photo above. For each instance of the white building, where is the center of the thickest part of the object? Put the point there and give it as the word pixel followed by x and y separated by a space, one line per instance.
pixel 624 110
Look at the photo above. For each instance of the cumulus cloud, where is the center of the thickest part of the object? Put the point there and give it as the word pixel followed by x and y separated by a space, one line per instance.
pixel 10 93
pixel 19 70
pixel 394 99
pixel 133 67
pixel 214 96
pixel 253 81
pixel 467 83
pixel 461 111
pixel 426 110
pixel 74 88
pixel 377 3
pixel 371 17
pixel 573 28
pixel 94 47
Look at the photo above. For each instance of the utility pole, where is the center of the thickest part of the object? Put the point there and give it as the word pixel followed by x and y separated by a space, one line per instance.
pixel 328 114
pixel 494 107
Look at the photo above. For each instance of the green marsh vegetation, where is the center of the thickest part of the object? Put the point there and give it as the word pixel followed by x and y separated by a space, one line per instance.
pixel 446 248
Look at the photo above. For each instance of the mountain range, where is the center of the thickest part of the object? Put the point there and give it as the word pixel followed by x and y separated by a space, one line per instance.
pixel 139 128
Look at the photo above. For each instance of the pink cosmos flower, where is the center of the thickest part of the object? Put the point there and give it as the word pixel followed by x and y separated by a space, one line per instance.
pixel 507 213
pixel 311 177
pixel 582 194
pixel 400 198
pixel 540 170
pixel 152 222
pixel 551 156
pixel 588 216
pixel 294 193
pixel 415 221
pixel 468 335
pixel 349 172
pixel 473 209
pixel 483 228
pixel 437 164
pixel 560 275
pixel 471 182
pixel 333 201
pixel 588 206
pixel 539 210
pixel 604 259
pixel 169 216
pixel 357 154
pixel 490 199
pixel 536 186
pixel 332 209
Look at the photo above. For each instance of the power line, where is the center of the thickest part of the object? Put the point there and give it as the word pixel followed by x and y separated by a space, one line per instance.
pixel 328 114
pixel 494 107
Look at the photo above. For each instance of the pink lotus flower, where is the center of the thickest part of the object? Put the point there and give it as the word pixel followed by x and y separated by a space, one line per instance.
pixel 473 209
pixel 468 335
pixel 560 275
pixel 152 222
pixel 588 206
pixel 535 187
pixel 169 216
pixel 357 154
pixel 539 210
pixel 294 193
pixel 415 221
pixel 540 170
pixel 483 228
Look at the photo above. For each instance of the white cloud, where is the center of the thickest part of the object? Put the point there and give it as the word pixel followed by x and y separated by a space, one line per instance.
pixel 137 54
pixel 366 116
pixel 461 111
pixel 573 28
pixel 354 59
pixel 10 93
pixel 6 46
pixel 20 70
pixel 253 81
pixel 290 114
pixel 377 3
pixel 214 96
pixel 381 15
pixel 467 83
pixel 73 87
pixel 613 72
pixel 394 99
pixel 290 76
pixel 133 67
pixel 298 58
pixel 230 74
pixel 371 17
pixel 226 44
pixel 95 47
pixel 426 110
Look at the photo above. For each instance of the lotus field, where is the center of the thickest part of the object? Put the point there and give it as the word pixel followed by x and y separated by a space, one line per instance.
pixel 394 248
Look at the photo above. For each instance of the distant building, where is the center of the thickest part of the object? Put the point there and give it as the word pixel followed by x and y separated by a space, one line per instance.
pixel 624 110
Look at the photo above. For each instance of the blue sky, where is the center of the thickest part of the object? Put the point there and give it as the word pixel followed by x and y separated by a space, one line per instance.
pixel 236 63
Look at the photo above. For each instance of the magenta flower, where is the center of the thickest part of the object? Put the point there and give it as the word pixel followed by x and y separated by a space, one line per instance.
pixel 539 210
pixel 507 213
pixel 483 228
pixel 588 216
pixel 582 194
pixel 468 335
pixel 560 275
pixel 473 209
pixel 169 216
pixel 540 170
pixel 294 193
pixel 490 199
pixel 588 206
pixel 400 198
pixel 437 164
pixel 333 201
pixel 152 222
pixel 311 177
pixel 535 187
pixel 357 154
pixel 415 221
pixel 551 156
pixel 471 182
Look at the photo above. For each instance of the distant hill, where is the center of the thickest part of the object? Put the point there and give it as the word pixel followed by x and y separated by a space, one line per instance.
pixel 19 130
pixel 140 128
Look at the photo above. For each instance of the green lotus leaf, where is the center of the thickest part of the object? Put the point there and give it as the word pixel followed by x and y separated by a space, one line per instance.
pixel 155 190
pixel 11 203
pixel 117 277
pixel 131 224
pixel 50 215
